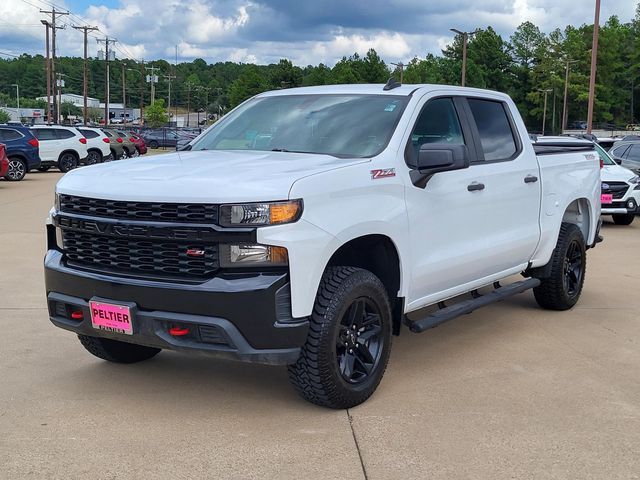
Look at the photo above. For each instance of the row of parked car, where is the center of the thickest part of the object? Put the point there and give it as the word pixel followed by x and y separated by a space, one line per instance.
pixel 41 147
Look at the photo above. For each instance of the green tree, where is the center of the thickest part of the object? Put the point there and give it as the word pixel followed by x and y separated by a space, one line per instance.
pixel 4 116
pixel 156 114
pixel 248 84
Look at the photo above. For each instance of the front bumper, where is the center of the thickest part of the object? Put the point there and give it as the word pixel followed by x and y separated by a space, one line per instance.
pixel 621 207
pixel 239 316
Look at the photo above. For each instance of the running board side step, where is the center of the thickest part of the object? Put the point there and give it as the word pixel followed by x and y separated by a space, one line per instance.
pixel 467 306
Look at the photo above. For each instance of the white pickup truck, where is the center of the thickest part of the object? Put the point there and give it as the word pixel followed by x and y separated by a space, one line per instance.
pixel 304 227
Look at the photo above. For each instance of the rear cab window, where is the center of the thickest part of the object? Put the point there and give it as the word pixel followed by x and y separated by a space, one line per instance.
pixel 498 140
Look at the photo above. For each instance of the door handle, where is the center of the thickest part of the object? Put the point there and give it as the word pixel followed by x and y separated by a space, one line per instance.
pixel 530 179
pixel 475 186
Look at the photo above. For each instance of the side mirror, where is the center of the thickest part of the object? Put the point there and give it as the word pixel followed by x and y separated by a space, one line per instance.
pixel 438 157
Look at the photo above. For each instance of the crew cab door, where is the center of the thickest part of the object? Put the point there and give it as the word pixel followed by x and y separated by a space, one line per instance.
pixel 470 225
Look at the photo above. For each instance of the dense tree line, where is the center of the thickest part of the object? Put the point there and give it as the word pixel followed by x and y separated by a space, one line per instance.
pixel 524 65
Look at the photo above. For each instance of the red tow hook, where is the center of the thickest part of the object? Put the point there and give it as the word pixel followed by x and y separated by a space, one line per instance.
pixel 178 332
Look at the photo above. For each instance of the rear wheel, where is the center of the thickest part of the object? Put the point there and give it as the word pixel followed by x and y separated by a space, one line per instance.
pixel 115 351
pixel 17 170
pixel 135 153
pixel 623 219
pixel 562 288
pixel 153 144
pixel 93 157
pixel 67 161
pixel 349 341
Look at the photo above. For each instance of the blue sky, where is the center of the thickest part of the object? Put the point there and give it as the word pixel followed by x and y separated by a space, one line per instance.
pixel 305 31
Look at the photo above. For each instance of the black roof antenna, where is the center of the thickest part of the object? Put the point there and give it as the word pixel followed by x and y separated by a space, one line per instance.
pixel 391 84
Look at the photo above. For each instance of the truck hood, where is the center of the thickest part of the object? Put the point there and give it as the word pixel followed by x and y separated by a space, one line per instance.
pixel 200 176
pixel 615 173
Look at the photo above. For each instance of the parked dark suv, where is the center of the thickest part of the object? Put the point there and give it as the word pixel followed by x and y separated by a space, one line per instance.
pixel 22 150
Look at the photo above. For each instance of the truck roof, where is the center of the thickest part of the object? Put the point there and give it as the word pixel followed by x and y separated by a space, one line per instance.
pixel 378 89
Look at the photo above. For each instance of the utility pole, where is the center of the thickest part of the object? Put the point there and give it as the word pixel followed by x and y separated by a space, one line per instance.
pixel 188 102
pixel 17 99
pixel 59 85
pixel 465 41
pixel 85 84
pixel 107 57
pixel 152 79
pixel 401 66
pixel 169 79
pixel 54 15
pixel 175 70
pixel 48 69
pixel 124 97
pixel 565 111
pixel 544 115
pixel 594 62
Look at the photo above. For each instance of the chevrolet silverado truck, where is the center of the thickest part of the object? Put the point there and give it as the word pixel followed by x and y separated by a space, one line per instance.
pixel 309 226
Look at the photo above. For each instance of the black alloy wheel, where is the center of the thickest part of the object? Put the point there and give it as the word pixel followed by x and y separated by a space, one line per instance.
pixel 573 270
pixel 359 345
pixel 67 162
pixel 93 157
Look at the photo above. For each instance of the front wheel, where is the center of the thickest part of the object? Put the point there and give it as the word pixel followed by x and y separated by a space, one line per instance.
pixel 623 219
pixel 349 340
pixel 562 288
pixel 153 144
pixel 115 351
pixel 17 170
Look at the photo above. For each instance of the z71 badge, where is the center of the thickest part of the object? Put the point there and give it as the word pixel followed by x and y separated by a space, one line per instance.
pixel 383 173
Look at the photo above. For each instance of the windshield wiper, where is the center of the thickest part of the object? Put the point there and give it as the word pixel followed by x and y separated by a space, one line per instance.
pixel 308 153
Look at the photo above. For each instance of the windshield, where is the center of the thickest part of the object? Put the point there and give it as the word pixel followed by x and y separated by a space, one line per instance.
pixel 606 159
pixel 338 125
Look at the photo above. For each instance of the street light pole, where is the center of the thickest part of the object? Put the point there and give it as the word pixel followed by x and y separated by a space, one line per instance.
pixel 17 98
pixel 544 115
pixel 465 40
pixel 594 61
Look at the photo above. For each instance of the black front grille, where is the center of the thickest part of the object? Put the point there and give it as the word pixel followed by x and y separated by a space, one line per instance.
pixel 145 211
pixel 139 257
pixel 617 189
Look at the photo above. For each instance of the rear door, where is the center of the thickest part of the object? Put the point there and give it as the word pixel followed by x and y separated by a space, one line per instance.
pixel 49 143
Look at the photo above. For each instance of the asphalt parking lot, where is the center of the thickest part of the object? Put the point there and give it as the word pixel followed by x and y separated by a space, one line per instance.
pixel 510 391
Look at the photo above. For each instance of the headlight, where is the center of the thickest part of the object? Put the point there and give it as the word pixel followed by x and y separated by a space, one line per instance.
pixel 271 213
pixel 234 256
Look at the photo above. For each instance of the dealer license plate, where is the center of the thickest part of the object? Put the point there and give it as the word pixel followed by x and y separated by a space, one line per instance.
pixel 112 318
pixel 606 198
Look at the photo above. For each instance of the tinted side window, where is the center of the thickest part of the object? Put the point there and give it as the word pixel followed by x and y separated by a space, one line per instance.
pixel 8 134
pixel 64 133
pixel 620 151
pixel 496 136
pixel 634 153
pixel 88 133
pixel 438 123
pixel 108 134
pixel 45 133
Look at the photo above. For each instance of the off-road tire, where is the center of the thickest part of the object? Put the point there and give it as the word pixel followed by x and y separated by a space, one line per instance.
pixel 623 219
pixel 552 293
pixel 317 374
pixel 115 351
